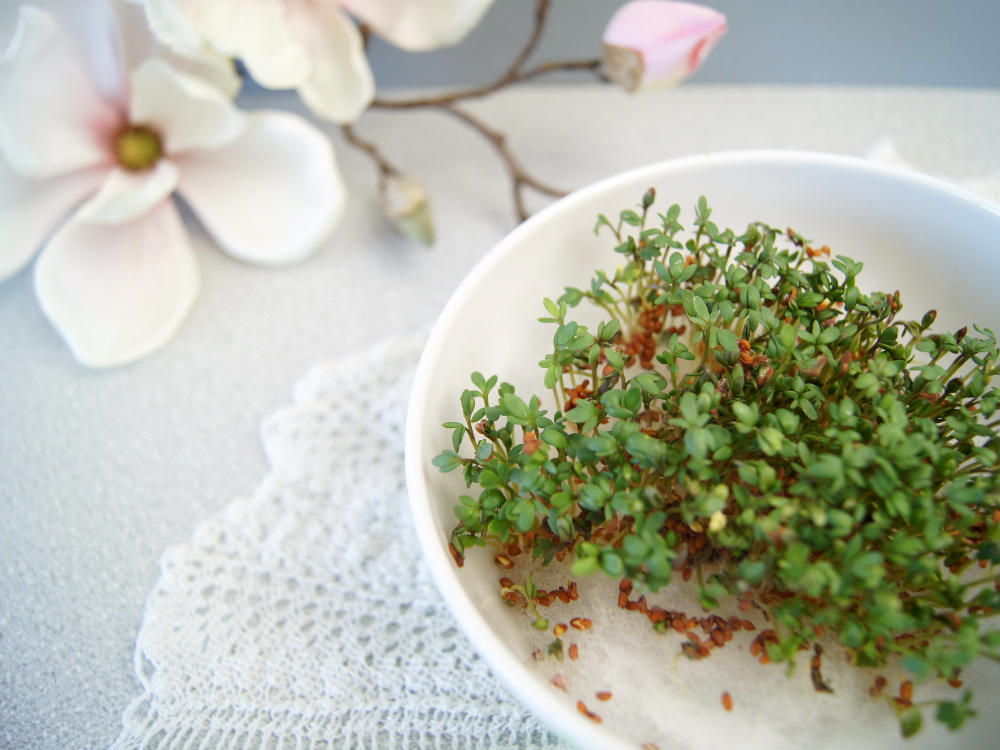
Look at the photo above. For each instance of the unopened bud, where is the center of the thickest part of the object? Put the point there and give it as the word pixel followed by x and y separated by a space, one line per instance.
pixel 407 208
pixel 658 43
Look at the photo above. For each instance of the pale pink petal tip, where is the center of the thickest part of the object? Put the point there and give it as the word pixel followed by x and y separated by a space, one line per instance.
pixel 658 43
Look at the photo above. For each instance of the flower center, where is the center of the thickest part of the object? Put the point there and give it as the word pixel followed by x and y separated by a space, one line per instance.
pixel 138 147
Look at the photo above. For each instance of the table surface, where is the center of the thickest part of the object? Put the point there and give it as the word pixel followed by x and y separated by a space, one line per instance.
pixel 100 471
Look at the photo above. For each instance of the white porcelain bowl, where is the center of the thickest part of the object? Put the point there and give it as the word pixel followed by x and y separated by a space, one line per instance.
pixel 936 243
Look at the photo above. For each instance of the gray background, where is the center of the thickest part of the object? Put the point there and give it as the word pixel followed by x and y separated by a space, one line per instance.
pixel 100 472
pixel 860 42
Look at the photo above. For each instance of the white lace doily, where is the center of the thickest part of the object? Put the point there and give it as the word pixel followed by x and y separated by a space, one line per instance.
pixel 304 616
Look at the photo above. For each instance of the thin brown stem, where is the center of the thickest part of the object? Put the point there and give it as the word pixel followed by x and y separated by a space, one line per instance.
pixel 385 167
pixel 519 176
pixel 366 35
pixel 590 66
pixel 541 16
pixel 514 73
pixel 508 77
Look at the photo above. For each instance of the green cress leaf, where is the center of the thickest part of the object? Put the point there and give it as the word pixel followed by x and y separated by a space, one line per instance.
pixel 840 464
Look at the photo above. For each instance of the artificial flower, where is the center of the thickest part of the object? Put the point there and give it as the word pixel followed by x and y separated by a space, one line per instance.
pixel 313 46
pixel 118 276
pixel 658 43
pixel 406 206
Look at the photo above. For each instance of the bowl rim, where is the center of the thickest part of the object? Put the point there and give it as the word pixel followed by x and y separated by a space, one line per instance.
pixel 534 694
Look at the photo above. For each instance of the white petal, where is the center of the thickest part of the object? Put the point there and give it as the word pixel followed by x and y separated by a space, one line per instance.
pixel 419 25
pixel 52 120
pixel 172 22
pixel 31 209
pixel 273 195
pixel 117 294
pixel 187 112
pixel 125 196
pixel 139 44
pixel 259 33
pixel 212 67
pixel 92 25
pixel 340 85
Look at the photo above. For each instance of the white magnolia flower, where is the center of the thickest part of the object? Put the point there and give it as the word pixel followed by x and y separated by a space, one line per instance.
pixel 313 46
pixel 118 277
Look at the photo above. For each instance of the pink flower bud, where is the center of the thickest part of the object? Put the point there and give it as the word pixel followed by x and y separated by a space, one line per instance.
pixel 658 43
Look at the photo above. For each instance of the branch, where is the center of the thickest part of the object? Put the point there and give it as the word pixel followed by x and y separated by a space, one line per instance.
pixel 385 167
pixel 589 66
pixel 520 177
pixel 513 75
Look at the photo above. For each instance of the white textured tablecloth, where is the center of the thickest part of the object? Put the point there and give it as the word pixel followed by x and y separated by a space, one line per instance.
pixel 302 616
pixel 100 472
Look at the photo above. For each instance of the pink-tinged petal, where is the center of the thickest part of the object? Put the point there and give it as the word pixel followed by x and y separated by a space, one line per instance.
pixel 139 44
pixel 117 294
pixel 31 209
pixel 340 85
pixel 657 43
pixel 186 112
pixel 52 119
pixel 272 196
pixel 126 195
pixel 93 28
pixel 420 25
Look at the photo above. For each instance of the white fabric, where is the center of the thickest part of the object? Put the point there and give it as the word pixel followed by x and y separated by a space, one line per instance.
pixel 304 616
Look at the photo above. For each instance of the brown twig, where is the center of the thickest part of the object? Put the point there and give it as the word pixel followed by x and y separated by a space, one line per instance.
pixel 519 176
pixel 591 66
pixel 514 74
pixel 385 168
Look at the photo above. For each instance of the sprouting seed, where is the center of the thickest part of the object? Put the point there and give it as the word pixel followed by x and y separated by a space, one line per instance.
pixel 582 708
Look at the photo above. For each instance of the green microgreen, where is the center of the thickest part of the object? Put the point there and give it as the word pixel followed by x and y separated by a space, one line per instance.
pixel 744 398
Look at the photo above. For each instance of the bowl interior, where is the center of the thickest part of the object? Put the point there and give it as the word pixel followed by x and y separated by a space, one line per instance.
pixel 935 243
